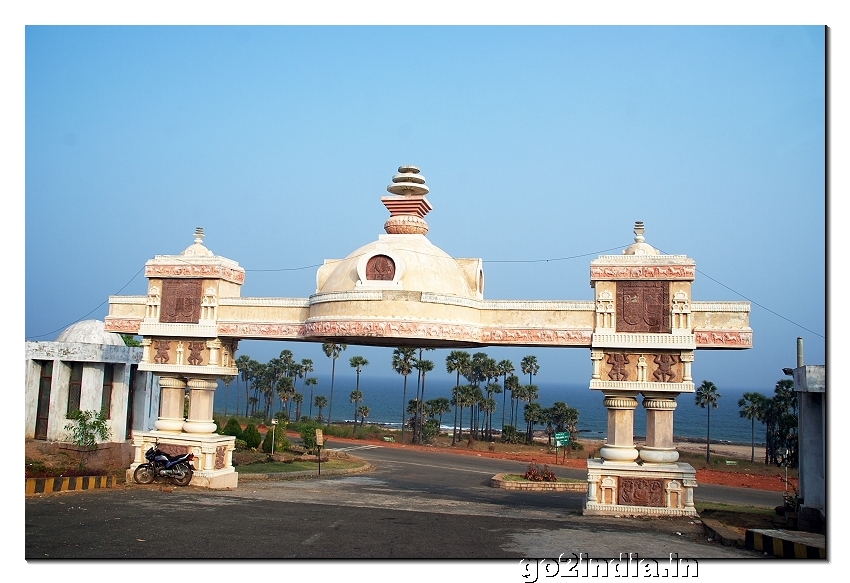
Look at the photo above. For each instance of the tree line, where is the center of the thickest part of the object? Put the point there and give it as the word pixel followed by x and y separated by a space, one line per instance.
pixel 476 400
pixel 778 414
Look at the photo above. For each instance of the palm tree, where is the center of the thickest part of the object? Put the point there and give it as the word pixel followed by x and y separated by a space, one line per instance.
pixel 402 363
pixel 506 367
pixel 297 398
pixel 243 364
pixel 285 390
pixel 492 389
pixel 530 393
pixel 530 367
pixel 752 405
pixel 424 367
pixel 364 411
pixel 512 384
pixel 533 414
pixel 321 403
pixel 306 368
pixel 437 407
pixel 356 397
pixel 707 397
pixel 459 362
pixel 332 351
pixel 311 382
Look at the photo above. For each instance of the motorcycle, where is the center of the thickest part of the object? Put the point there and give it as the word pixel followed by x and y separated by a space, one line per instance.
pixel 178 468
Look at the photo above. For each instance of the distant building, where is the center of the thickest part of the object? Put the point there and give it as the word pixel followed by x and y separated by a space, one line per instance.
pixel 87 368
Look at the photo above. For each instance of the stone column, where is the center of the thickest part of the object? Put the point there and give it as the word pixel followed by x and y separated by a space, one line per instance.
pixel 173 391
pixel 621 421
pixel 659 430
pixel 200 419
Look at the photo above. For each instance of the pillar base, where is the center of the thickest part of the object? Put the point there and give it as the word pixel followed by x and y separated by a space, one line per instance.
pixel 628 488
pixel 619 453
pixel 659 455
pixel 213 455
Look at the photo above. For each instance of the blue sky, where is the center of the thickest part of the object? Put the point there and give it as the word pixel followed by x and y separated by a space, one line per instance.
pixel 537 143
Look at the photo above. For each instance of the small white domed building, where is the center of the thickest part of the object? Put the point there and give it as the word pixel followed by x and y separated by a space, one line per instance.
pixel 89 369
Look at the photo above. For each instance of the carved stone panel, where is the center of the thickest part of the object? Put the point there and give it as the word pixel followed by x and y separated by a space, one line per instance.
pixel 195 350
pixel 641 492
pixel 643 306
pixel 380 268
pixel 181 301
pixel 652 367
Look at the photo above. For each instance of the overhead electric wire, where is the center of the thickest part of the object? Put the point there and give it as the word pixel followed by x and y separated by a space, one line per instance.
pixel 550 260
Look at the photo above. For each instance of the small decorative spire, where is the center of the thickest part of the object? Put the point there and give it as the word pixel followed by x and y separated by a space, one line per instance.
pixel 197 248
pixel 199 235
pixel 407 205
pixel 639 230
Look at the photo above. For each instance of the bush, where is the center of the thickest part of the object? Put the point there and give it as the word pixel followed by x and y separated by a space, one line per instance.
pixel 240 445
pixel 511 435
pixel 232 428
pixel 430 430
pixel 535 473
pixel 252 436
pixel 281 443
pixel 86 428
pixel 307 431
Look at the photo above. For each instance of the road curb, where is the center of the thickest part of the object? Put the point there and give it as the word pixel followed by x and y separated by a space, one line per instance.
pixel 36 486
pixel 302 475
pixel 498 481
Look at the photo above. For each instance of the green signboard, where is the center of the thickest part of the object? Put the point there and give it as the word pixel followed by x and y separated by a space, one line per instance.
pixel 562 439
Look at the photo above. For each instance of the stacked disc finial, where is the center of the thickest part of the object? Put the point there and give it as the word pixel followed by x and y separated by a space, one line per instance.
pixel 407 203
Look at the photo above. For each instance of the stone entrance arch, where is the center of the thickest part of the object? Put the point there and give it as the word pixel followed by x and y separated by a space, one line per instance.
pixel 642 328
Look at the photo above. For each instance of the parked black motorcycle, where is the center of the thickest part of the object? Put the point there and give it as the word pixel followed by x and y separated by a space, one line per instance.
pixel 178 468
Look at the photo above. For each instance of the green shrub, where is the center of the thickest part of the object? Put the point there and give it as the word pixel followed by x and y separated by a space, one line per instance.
pixel 430 430
pixel 86 428
pixel 511 435
pixel 240 445
pixel 281 443
pixel 307 430
pixel 252 436
pixel 232 428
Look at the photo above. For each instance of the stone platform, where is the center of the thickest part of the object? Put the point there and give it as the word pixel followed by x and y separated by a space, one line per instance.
pixel 617 488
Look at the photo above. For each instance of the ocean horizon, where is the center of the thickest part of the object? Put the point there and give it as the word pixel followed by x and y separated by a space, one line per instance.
pixel 384 397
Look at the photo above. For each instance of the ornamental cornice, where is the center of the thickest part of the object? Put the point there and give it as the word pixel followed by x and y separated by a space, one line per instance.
pixel 122 325
pixel 259 330
pixel 178 329
pixel 724 338
pixel 195 270
pixel 133 300
pixel 643 260
pixel 188 370
pixel 680 272
pixel 266 302
pixel 509 305
pixel 642 387
pixel 720 307
pixel 346 296
pixel 644 341
pixel 539 336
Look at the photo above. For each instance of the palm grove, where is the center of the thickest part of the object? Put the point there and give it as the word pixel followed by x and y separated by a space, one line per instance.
pixel 283 383
pixel 778 414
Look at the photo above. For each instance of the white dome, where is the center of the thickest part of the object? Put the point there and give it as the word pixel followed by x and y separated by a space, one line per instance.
pixel 420 266
pixel 90 332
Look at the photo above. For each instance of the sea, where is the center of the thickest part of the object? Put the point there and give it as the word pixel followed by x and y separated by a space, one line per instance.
pixel 384 397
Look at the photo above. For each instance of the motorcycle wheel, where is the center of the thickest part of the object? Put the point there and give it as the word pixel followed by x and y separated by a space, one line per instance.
pixel 187 476
pixel 144 474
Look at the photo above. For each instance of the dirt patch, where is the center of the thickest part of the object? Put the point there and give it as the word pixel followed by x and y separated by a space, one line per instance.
pixel 50 459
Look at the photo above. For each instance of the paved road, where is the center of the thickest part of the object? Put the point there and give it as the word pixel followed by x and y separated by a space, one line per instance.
pixel 413 505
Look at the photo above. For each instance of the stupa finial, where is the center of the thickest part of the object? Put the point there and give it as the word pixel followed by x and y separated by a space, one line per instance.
pixel 407 205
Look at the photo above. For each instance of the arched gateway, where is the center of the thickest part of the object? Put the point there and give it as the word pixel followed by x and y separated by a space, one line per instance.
pixel 642 329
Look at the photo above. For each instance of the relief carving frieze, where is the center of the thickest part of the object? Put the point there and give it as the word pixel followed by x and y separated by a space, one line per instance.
pixel 641 492
pixel 195 350
pixel 643 306
pixel 161 347
pixel 181 301
pixel 665 373
pixel 380 268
